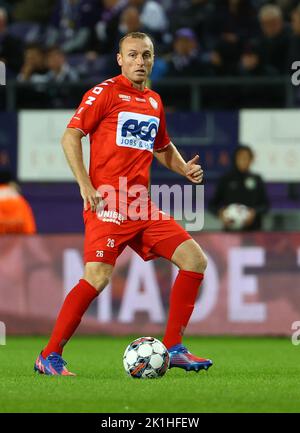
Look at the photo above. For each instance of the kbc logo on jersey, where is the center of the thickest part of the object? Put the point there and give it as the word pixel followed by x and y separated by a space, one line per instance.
pixel 137 131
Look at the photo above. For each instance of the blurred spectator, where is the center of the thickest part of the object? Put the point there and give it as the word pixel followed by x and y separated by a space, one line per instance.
pixel 34 68
pixel 274 41
pixel 33 71
pixel 73 21
pixel 15 212
pixel 233 23
pixel 129 22
pixel 186 59
pixel 183 62
pixel 11 51
pixel 220 42
pixel 252 64
pixel 294 49
pixel 106 30
pixel 153 16
pixel 196 14
pixel 241 187
pixel 59 71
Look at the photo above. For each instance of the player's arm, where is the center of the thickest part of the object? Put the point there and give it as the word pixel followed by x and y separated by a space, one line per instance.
pixel 72 146
pixel 171 158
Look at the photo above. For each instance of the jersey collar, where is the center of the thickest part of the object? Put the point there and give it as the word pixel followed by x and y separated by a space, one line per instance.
pixel 124 80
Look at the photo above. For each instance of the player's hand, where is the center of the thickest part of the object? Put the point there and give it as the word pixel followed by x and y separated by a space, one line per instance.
pixel 91 197
pixel 193 171
pixel 250 217
pixel 225 220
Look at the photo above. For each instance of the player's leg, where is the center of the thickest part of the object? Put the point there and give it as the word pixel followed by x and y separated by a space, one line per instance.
pixel 168 239
pixel 192 262
pixel 96 277
pixel 189 256
pixel 101 249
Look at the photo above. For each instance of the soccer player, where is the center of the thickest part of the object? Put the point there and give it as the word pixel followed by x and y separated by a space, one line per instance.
pixel 126 124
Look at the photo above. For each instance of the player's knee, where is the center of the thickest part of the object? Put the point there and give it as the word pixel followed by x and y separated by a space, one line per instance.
pixel 98 281
pixel 196 263
pixel 190 257
pixel 201 262
pixel 98 274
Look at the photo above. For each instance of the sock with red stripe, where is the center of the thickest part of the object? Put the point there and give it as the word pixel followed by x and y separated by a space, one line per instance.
pixel 72 310
pixel 182 302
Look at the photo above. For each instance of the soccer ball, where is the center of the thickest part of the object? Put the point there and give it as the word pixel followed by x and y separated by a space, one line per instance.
pixel 146 357
pixel 237 215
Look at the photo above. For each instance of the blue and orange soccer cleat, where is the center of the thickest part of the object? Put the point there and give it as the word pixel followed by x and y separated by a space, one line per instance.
pixel 182 358
pixel 53 365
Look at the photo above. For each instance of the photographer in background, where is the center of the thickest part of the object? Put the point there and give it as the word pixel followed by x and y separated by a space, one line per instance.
pixel 240 198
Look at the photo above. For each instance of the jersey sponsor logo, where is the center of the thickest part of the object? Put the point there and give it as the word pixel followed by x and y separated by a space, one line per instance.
pixel 153 102
pixel 140 99
pixel 136 130
pixel 125 97
pixel 110 216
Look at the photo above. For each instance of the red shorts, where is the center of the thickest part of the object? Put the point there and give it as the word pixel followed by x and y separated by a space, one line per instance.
pixel 106 237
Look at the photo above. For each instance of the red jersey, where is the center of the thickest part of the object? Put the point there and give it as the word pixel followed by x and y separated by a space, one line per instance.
pixel 125 126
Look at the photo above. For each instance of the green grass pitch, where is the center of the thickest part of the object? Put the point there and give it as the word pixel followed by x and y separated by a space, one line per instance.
pixel 248 375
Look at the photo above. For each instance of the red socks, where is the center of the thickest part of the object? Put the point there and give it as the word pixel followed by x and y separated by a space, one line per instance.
pixel 74 306
pixel 182 301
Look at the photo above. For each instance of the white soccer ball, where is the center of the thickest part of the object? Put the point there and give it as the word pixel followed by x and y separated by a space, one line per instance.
pixel 146 357
pixel 236 214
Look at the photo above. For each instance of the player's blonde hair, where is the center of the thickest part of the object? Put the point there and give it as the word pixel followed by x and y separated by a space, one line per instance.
pixel 135 35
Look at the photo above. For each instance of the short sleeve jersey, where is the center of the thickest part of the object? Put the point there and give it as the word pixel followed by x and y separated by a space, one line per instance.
pixel 125 126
